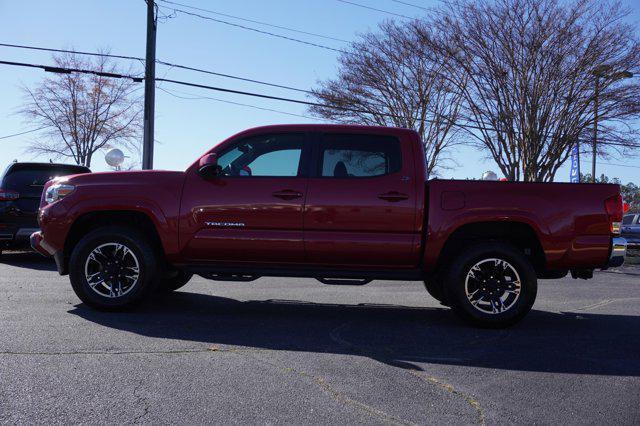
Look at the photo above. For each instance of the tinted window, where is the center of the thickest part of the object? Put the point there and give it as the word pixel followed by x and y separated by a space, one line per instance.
pixel 628 219
pixel 29 180
pixel 266 155
pixel 344 156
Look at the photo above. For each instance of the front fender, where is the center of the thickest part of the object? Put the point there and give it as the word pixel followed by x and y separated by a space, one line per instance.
pixel 164 222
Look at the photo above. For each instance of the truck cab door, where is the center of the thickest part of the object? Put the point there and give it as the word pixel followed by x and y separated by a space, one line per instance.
pixel 251 211
pixel 362 203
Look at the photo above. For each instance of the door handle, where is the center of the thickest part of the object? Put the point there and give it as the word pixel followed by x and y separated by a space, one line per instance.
pixel 393 196
pixel 287 194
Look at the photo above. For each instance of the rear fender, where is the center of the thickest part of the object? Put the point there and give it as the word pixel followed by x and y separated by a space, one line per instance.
pixel 439 235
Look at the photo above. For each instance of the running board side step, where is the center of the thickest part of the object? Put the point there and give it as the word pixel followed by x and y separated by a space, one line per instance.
pixel 230 277
pixel 344 281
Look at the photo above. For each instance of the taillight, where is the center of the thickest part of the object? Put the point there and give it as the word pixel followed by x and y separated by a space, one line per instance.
pixel 6 195
pixel 615 211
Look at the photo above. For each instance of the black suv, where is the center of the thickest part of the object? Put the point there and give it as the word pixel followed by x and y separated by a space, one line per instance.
pixel 21 186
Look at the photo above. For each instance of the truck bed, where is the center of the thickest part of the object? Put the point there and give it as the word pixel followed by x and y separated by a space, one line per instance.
pixel 569 220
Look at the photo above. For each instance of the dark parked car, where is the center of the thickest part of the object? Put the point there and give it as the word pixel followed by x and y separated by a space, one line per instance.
pixel 21 187
pixel 631 230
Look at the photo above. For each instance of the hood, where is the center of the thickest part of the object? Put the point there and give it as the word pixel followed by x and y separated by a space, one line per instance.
pixel 122 190
pixel 138 177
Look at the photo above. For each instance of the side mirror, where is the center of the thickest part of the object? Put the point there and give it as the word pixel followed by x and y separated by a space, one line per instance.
pixel 208 166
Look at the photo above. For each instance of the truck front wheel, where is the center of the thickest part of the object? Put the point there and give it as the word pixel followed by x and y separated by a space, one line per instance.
pixel 491 284
pixel 113 267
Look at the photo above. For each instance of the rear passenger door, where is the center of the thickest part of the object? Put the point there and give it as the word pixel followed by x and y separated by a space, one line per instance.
pixel 361 202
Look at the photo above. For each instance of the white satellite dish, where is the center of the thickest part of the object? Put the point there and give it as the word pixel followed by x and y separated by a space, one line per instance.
pixel 489 175
pixel 114 157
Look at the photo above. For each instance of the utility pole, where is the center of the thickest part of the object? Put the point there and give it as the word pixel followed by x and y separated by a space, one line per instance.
pixel 595 129
pixel 578 159
pixel 149 87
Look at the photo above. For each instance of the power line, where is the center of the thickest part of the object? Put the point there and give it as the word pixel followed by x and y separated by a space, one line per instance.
pixel 194 97
pixel 235 77
pixel 373 8
pixel 620 165
pixel 247 93
pixel 63 70
pixel 48 49
pixel 250 80
pixel 255 22
pixel 309 103
pixel 244 27
pixel 22 133
pixel 185 83
pixel 279 98
pixel 604 141
pixel 185 67
pixel 410 4
pixel 611 164
pixel 259 95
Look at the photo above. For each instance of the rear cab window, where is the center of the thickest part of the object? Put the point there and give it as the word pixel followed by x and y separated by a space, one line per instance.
pixel 358 156
pixel 628 219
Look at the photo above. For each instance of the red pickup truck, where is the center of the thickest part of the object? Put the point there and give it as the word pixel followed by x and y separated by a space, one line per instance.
pixel 342 204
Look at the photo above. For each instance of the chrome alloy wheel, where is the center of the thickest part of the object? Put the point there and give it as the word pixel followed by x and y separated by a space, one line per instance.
pixel 492 286
pixel 112 270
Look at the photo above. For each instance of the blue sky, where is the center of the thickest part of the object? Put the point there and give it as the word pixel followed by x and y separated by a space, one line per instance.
pixel 186 128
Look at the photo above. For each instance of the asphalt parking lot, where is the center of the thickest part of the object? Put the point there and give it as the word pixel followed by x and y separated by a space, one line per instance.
pixel 295 351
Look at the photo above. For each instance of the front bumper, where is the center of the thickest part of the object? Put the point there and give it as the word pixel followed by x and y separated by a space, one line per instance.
pixel 618 252
pixel 40 245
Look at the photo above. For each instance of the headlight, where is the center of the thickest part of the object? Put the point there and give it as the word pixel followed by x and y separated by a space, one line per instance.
pixel 57 192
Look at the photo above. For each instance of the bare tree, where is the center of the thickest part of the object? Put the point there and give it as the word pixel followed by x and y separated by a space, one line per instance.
pixel 390 78
pixel 82 113
pixel 530 69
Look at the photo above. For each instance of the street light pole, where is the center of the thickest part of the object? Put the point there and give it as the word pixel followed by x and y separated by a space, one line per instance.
pixel 149 87
pixel 600 72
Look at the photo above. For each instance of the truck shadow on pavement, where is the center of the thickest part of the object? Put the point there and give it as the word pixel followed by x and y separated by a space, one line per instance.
pixel 579 343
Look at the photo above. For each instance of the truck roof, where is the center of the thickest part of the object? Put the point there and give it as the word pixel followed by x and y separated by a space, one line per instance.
pixel 333 128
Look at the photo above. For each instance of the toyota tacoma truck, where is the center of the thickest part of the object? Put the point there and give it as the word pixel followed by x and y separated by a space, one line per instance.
pixel 342 204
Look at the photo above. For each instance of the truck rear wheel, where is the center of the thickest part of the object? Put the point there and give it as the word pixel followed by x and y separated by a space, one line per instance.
pixel 113 267
pixel 491 284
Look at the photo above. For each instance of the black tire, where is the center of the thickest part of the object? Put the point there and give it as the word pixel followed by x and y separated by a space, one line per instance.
pixel 505 312
pixel 435 289
pixel 173 279
pixel 144 254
